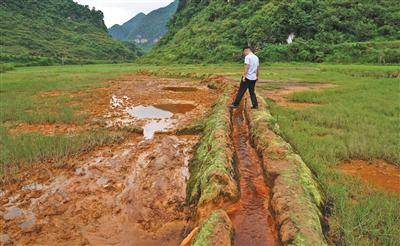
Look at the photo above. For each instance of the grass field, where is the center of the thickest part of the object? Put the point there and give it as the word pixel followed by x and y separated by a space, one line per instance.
pixel 357 119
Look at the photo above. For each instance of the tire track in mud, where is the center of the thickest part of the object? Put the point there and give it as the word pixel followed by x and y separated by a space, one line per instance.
pixel 251 217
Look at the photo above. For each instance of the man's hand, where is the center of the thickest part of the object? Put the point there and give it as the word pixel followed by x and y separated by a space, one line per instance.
pixel 243 79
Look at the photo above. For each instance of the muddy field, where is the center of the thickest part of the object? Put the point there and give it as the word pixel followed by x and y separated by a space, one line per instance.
pixel 134 192
pixel 253 190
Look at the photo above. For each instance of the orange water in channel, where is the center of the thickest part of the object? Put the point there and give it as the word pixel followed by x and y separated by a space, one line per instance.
pixel 252 220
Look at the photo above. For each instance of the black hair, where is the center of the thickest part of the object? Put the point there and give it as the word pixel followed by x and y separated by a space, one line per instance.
pixel 246 47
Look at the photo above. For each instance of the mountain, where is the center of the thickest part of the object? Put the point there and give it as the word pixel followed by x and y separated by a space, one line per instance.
pixel 319 30
pixel 51 31
pixel 121 32
pixel 145 30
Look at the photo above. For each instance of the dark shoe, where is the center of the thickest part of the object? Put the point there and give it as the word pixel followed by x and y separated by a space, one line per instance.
pixel 254 107
pixel 234 106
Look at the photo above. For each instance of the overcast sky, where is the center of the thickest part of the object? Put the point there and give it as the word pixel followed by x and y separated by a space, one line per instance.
pixel 120 11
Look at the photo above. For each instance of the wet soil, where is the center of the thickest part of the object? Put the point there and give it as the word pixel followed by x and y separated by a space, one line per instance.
pixel 180 89
pixel 251 217
pixel 49 128
pixel 133 193
pixel 280 92
pixel 180 108
pixel 378 173
pixel 168 110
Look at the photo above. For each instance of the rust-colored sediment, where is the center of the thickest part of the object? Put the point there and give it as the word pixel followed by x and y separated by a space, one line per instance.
pixel 378 173
pixel 281 94
pixel 131 193
pixel 251 217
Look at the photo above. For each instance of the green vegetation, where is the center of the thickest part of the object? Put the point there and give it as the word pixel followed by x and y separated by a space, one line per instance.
pixel 54 32
pixel 212 176
pixel 21 102
pixel 302 212
pixel 215 228
pixel 357 119
pixel 340 30
pixel 35 147
pixel 143 29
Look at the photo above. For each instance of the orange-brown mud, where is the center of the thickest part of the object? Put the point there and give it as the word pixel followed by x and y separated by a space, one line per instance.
pixel 280 93
pixel 132 193
pixel 251 217
pixel 49 128
pixel 379 173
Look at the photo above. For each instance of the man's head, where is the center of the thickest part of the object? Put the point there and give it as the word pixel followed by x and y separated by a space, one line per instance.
pixel 246 50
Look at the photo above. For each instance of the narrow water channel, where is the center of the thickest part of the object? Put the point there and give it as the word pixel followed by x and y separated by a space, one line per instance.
pixel 252 220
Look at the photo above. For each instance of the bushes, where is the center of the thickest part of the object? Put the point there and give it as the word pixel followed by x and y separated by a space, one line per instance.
pixel 312 51
pixel 45 32
pixel 4 67
pixel 210 31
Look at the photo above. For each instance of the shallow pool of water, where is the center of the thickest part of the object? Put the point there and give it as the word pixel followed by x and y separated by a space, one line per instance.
pixel 158 117
pixel 148 112
pixel 180 89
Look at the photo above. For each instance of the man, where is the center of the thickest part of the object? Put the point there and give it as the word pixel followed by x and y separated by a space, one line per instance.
pixel 249 78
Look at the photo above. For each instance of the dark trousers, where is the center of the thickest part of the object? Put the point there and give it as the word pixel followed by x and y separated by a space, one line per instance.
pixel 247 84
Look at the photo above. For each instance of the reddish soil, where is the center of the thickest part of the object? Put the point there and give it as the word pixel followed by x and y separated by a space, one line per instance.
pixel 379 173
pixel 130 193
pixel 49 129
pixel 280 94
pixel 251 217
pixel 53 93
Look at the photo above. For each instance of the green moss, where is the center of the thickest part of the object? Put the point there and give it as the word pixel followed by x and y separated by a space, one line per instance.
pixel 306 198
pixel 210 169
pixel 216 227
pixel 206 230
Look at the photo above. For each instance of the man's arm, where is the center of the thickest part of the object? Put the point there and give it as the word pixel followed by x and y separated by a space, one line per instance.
pixel 258 72
pixel 246 70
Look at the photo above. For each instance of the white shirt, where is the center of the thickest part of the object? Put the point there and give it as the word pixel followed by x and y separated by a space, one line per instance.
pixel 253 61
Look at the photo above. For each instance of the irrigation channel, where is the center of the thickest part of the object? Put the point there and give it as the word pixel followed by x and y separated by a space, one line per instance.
pixel 251 217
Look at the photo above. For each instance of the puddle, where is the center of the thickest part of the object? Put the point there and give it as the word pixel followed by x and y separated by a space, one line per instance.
pixel 378 173
pixel 180 89
pixel 157 117
pixel 149 112
pixel 151 128
pixel 180 108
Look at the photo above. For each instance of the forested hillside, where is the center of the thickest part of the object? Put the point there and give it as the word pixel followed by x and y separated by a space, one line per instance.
pixel 121 32
pixel 54 31
pixel 324 30
pixel 145 30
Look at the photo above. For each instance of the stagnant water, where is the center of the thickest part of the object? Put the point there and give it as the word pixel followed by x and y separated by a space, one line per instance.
pixel 157 117
pixel 180 89
pixel 252 220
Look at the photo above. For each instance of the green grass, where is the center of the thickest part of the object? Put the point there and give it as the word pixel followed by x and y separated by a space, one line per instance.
pixel 358 119
pixel 20 102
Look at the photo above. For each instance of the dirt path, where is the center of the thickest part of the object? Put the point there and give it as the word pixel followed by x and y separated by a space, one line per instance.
pixel 253 222
pixel 132 193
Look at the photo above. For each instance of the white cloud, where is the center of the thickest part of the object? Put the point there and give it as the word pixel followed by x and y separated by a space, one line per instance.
pixel 120 11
